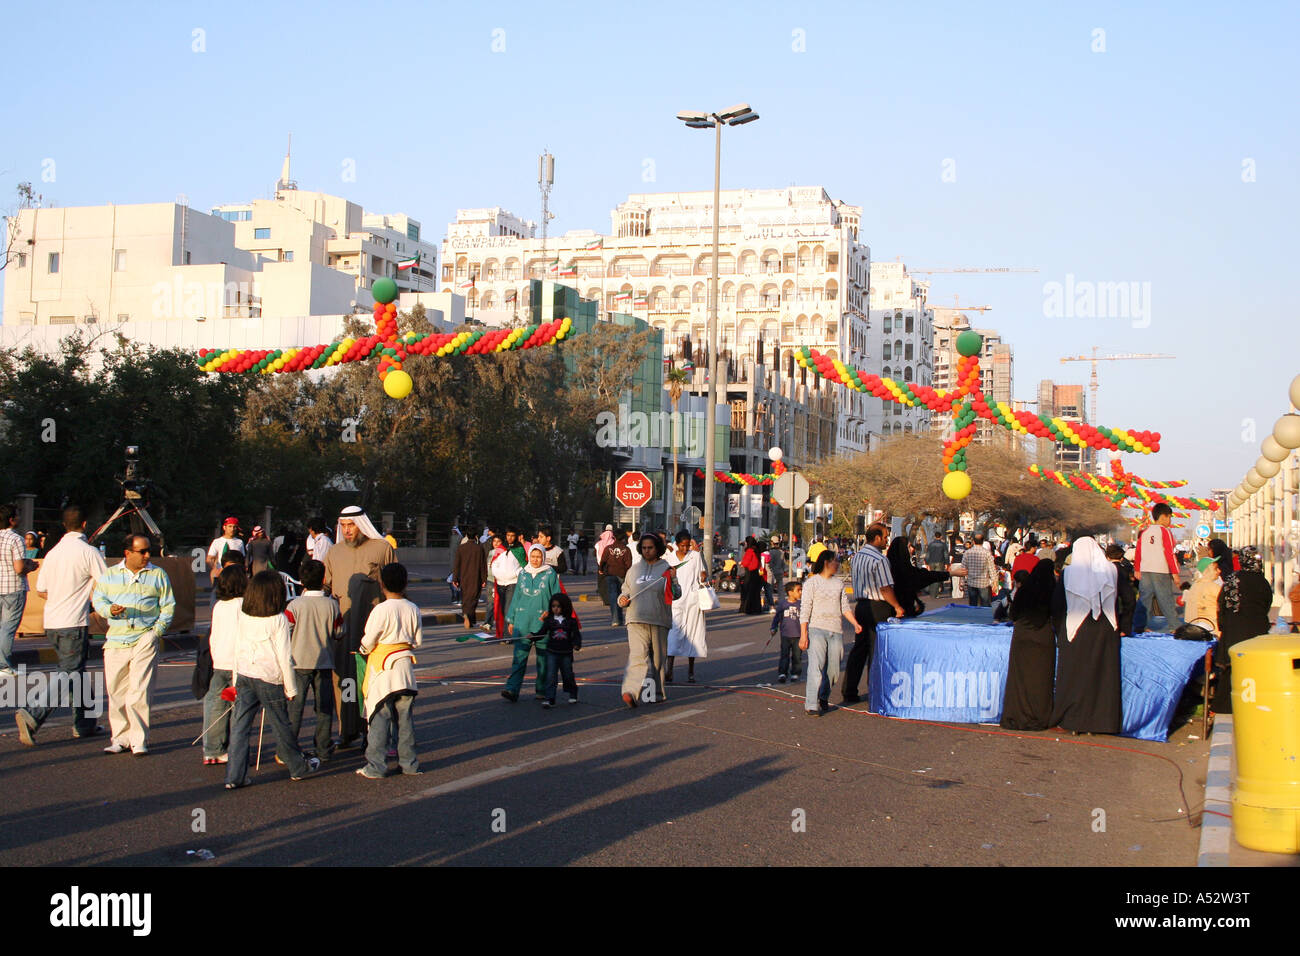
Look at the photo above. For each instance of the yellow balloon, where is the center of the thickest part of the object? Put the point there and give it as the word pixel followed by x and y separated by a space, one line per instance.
pixel 397 384
pixel 956 485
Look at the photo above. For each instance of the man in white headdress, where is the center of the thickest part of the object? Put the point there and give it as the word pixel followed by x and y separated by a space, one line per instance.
pixel 352 575
pixel 1088 697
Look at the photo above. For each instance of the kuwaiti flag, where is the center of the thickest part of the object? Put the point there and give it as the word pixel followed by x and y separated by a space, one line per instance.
pixel 569 270
pixel 623 297
pixel 408 263
pixel 555 265
pixel 468 283
pixel 640 302
pixel 595 244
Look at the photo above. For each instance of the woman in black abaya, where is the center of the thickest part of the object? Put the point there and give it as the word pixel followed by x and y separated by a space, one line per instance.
pixel 1088 696
pixel 1031 668
pixel 1244 604
pixel 909 580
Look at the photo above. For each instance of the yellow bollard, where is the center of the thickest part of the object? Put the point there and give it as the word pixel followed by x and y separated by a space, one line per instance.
pixel 1266 732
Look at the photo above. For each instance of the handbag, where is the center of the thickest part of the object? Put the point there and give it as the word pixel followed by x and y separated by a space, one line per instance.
pixel 1192 632
pixel 708 599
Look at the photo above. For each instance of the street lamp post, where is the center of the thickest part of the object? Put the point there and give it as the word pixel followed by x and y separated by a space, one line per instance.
pixel 736 115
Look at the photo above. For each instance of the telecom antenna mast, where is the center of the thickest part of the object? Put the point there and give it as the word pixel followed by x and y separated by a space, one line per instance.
pixel 545 180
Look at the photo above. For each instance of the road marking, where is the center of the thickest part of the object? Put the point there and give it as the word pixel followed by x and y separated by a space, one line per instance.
pixel 1216 826
pixel 496 773
pixel 733 647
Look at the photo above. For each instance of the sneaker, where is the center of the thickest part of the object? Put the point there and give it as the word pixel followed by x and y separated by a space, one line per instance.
pixel 510 696
pixel 224 758
pixel 547 704
pixel 313 764
pixel 116 748
pixel 630 701
pixel 140 752
pixel 26 727
pixel 573 700
pixel 368 773
pixel 813 713
pixel 95 731
pixel 781 678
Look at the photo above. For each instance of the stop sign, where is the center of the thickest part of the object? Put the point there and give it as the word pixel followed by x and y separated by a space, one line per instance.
pixel 633 489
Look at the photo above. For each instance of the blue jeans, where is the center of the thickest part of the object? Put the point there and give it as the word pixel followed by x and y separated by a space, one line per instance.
pixel 558 665
pixel 11 615
pixel 70 644
pixel 395 711
pixel 791 657
pixel 524 643
pixel 980 597
pixel 825 648
pixel 321 683
pixel 613 588
pixel 216 739
pixel 255 695
pixel 1161 586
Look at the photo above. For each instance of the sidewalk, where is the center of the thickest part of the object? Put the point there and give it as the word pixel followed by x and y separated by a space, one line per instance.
pixel 1218 848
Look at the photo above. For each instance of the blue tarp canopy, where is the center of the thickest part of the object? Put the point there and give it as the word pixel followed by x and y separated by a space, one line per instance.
pixel 957 672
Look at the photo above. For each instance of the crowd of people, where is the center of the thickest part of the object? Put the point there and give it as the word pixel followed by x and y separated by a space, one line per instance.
pixel 328 618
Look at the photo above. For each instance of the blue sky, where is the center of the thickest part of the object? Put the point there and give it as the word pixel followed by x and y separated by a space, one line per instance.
pixel 1117 166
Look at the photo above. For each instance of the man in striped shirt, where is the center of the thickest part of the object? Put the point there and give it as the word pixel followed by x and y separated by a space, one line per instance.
pixel 980 573
pixel 873 589
pixel 135 598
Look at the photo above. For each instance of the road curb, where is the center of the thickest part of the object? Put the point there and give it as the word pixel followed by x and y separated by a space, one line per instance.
pixel 1216 818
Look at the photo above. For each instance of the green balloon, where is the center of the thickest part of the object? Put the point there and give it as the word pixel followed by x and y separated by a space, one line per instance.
pixel 969 343
pixel 384 290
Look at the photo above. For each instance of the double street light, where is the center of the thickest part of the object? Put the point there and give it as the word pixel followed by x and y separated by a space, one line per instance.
pixel 737 115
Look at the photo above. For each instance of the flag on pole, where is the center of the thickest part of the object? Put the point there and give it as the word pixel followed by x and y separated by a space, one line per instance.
pixel 623 297
pixel 511 294
pixel 640 302
pixel 408 263
pixel 595 244
pixel 569 270
pixel 555 265
pixel 468 283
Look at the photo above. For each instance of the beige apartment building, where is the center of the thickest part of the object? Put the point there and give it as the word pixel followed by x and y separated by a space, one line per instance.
pixel 901 345
pixel 792 272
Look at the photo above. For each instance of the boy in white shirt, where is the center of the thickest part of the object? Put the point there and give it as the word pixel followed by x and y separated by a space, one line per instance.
pixel 388 691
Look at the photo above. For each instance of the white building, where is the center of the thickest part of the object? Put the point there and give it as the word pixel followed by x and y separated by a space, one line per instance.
pixel 901 345
pixel 94 264
pixel 792 272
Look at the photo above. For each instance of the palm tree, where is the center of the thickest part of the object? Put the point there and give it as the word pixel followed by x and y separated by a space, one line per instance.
pixel 675 380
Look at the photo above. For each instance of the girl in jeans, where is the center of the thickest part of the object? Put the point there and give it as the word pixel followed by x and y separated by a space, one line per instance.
pixel 231 584
pixel 823 606
pixel 263 674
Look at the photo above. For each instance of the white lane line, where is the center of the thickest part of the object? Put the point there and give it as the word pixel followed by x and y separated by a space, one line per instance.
pixel 733 647
pixel 473 780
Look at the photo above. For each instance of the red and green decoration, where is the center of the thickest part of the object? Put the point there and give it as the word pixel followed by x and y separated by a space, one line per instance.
pixel 967 403
pixel 741 478
pixel 390 347
pixel 1123 488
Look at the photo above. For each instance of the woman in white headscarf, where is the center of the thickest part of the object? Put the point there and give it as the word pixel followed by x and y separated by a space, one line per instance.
pixel 1088 698
pixel 688 636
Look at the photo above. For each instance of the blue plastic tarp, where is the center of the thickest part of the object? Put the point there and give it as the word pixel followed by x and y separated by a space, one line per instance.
pixel 957 673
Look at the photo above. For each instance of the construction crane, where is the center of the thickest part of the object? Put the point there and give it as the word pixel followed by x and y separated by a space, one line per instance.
pixel 956 304
pixel 1095 358
pixel 991 270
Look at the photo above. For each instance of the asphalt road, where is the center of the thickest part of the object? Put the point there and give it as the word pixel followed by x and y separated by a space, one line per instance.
pixel 727 771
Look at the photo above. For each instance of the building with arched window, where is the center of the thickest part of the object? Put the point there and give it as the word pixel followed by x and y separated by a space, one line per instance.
pixel 901 345
pixel 792 272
